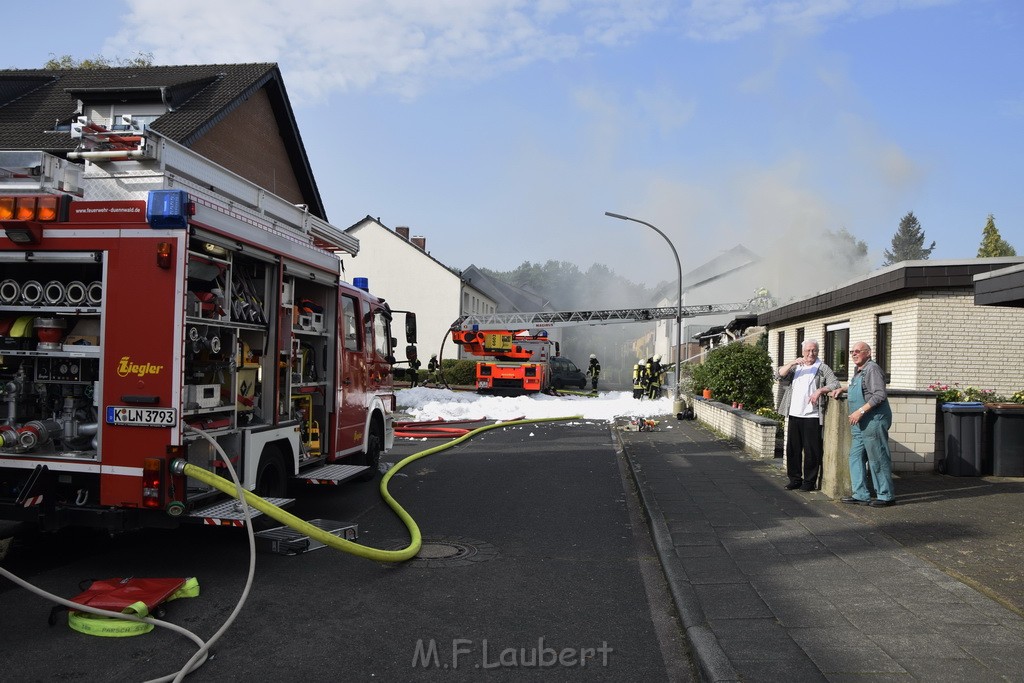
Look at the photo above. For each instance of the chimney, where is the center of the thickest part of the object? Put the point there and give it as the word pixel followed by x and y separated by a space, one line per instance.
pixel 420 242
pixel 403 232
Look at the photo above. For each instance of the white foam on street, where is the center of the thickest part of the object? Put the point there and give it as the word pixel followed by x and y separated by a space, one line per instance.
pixel 433 404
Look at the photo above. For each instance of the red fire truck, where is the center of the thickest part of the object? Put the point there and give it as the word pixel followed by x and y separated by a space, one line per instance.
pixel 149 297
pixel 520 362
pixel 523 353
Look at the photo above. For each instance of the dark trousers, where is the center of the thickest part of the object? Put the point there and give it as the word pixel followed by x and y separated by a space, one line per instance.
pixel 804 450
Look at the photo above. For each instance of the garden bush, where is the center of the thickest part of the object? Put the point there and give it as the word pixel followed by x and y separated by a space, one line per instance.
pixel 737 373
pixel 459 372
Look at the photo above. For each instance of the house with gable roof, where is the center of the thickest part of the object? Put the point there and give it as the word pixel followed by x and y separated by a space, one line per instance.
pixel 236 115
pixel 399 268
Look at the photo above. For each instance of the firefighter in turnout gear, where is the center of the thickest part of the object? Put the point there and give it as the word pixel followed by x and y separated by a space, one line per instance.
pixel 654 380
pixel 639 379
pixel 432 367
pixel 594 371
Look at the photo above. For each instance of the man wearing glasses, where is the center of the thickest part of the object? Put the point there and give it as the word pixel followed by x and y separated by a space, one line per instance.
pixel 870 419
pixel 806 381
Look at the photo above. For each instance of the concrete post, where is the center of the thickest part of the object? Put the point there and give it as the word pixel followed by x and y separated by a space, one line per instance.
pixel 835 481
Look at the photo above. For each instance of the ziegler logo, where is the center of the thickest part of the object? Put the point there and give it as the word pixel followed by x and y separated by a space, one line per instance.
pixel 126 367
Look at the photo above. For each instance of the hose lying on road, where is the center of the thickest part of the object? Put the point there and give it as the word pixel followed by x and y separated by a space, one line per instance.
pixel 435 429
pixel 330 539
pixel 234 488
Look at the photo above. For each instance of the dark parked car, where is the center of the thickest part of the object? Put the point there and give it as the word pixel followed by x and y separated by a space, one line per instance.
pixel 564 373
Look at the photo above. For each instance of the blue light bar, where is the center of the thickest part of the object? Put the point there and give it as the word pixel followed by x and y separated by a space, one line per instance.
pixel 167 209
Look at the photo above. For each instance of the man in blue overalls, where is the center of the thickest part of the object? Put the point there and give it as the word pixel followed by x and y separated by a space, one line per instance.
pixel 870 419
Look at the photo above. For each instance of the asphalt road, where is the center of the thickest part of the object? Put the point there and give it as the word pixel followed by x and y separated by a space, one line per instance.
pixel 536 563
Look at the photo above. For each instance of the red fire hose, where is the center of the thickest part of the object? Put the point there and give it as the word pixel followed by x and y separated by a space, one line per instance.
pixel 433 429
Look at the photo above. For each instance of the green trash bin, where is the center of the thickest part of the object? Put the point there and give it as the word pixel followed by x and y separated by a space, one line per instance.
pixel 1007 438
pixel 964 424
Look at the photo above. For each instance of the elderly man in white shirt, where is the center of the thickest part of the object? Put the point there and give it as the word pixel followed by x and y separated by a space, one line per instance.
pixel 806 380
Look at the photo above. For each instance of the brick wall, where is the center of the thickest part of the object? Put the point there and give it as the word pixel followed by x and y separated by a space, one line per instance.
pixel 912 437
pixel 978 346
pixel 915 438
pixel 937 336
pixel 248 142
pixel 754 433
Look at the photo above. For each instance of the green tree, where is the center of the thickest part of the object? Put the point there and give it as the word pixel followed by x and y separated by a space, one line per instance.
pixel 908 242
pixel 992 243
pixel 737 372
pixel 65 62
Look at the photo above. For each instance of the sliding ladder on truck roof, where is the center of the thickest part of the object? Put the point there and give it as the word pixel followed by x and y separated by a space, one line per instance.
pixel 162 163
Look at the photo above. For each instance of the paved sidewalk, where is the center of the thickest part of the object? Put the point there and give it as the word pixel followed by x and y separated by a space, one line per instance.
pixel 780 585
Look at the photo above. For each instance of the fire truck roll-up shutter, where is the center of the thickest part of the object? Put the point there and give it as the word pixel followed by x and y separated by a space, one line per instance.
pixel 234 246
pixel 303 271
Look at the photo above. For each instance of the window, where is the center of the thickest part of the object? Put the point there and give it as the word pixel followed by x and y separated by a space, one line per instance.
pixel 136 123
pixel 382 335
pixel 883 344
pixel 782 348
pixel 348 311
pixel 368 330
pixel 837 349
pixel 799 341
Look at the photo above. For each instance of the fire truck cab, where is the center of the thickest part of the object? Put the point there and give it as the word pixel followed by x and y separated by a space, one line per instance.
pixel 149 299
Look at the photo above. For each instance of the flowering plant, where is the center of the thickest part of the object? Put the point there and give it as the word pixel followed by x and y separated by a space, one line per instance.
pixel 957 394
pixel 1018 397
pixel 947 394
pixel 769 413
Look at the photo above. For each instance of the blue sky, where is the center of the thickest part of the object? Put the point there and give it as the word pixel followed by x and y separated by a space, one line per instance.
pixel 502 130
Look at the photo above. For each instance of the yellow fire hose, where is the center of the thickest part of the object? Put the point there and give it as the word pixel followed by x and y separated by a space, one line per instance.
pixel 331 540
pixel 233 489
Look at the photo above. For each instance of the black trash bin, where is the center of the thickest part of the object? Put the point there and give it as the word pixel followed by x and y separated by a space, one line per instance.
pixel 964 424
pixel 1007 438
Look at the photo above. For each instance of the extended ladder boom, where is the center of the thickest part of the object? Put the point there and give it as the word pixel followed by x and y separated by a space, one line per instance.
pixel 552 319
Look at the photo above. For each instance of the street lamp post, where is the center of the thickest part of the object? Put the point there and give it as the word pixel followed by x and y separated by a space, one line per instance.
pixel 679 298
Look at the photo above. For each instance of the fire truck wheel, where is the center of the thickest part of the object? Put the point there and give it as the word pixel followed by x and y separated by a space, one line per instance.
pixel 372 457
pixel 271 478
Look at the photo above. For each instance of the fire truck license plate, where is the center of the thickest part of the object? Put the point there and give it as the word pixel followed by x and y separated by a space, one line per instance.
pixel 141 417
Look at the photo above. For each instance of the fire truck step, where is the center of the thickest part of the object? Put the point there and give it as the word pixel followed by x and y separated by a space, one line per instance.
pixel 331 474
pixel 284 540
pixel 230 513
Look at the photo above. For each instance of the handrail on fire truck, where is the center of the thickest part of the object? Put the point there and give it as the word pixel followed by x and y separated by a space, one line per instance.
pixel 101 146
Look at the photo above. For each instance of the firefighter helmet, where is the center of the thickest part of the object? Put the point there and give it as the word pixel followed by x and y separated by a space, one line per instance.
pixel 594 356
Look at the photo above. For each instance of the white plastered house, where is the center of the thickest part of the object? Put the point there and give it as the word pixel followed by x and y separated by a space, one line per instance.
pixel 399 268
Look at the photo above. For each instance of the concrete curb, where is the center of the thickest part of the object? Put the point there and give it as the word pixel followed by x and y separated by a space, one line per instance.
pixel 711 658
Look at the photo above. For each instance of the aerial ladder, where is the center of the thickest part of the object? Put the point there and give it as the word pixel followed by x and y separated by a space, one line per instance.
pixel 520 348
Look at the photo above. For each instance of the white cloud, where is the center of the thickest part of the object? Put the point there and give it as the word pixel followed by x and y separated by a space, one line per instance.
pixel 341 46
pixel 402 46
